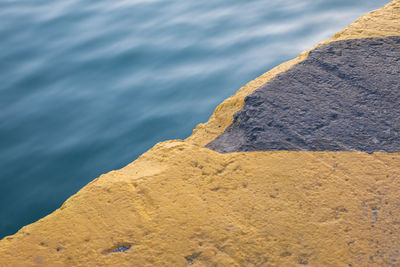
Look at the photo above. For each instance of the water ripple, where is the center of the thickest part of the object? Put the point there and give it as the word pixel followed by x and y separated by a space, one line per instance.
pixel 88 86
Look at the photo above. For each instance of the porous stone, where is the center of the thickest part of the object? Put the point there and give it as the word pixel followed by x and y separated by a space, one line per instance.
pixel 344 96
pixel 181 204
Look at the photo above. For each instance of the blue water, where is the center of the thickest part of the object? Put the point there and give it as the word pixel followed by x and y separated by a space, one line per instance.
pixel 87 86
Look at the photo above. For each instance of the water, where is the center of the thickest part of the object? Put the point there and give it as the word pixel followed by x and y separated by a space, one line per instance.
pixel 88 86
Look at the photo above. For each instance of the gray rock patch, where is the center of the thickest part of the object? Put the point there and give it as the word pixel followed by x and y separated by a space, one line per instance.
pixel 345 96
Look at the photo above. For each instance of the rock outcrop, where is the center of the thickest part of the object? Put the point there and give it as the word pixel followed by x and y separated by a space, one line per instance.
pixel 182 203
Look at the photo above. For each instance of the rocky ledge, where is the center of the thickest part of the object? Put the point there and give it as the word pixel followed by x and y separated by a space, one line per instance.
pixel 309 174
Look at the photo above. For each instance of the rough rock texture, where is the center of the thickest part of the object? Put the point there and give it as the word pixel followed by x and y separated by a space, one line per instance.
pixel 182 204
pixel 344 96
pixel 379 23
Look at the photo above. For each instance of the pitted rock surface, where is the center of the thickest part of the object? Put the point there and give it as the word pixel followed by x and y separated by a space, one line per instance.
pixel 345 96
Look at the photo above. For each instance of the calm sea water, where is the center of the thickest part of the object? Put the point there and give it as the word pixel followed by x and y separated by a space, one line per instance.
pixel 87 86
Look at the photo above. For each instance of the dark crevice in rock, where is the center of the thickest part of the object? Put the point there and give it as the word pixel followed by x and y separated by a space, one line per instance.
pixel 190 258
pixel 120 247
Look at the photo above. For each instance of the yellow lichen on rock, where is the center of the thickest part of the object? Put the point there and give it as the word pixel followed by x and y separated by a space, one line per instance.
pixel 199 207
pixel 379 23
pixel 182 204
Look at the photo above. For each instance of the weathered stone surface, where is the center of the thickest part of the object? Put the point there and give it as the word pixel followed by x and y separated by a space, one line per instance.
pixel 379 23
pixel 344 96
pixel 182 204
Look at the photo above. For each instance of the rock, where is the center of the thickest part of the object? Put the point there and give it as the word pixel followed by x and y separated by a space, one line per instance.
pixel 183 204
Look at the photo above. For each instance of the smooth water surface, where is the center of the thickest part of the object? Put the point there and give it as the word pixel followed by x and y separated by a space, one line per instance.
pixel 87 86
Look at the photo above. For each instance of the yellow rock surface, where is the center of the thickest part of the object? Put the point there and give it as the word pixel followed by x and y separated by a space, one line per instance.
pixel 241 209
pixel 181 204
